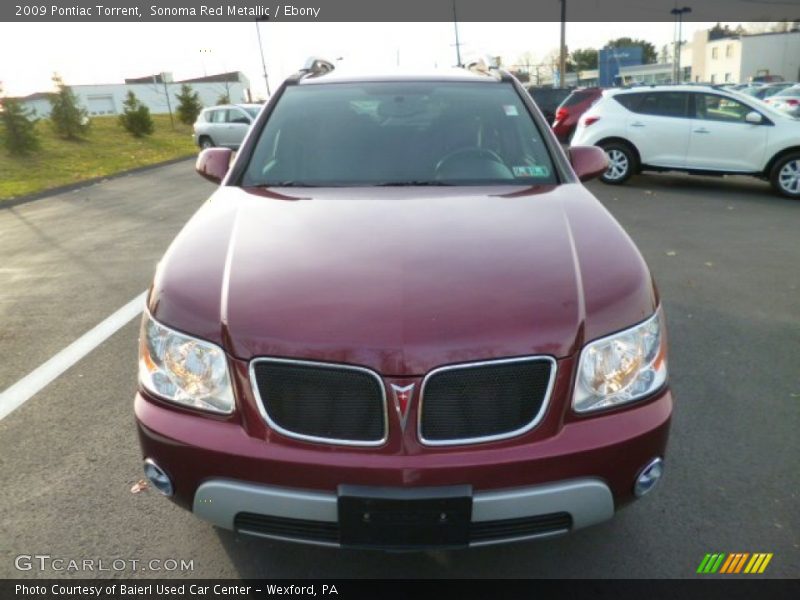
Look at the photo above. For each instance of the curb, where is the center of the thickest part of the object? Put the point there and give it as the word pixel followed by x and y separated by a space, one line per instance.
pixel 11 202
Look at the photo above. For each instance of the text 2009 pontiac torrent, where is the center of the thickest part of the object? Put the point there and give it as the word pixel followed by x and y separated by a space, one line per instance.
pixel 402 322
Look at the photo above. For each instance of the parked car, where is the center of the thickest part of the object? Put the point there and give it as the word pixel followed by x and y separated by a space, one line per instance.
pixel 548 99
pixel 762 92
pixel 696 129
pixel 766 79
pixel 787 100
pixel 570 111
pixel 224 125
pixel 395 324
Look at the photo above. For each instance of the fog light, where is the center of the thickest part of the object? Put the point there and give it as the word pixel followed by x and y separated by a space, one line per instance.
pixel 157 477
pixel 648 477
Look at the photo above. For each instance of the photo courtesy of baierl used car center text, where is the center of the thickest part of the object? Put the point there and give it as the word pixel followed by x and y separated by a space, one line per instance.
pixel 365 299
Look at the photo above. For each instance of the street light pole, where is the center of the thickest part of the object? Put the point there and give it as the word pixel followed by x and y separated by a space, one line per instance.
pixel 458 44
pixel 678 13
pixel 261 51
pixel 562 59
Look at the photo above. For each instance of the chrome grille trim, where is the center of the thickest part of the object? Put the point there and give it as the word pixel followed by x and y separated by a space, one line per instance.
pixel 323 365
pixel 474 365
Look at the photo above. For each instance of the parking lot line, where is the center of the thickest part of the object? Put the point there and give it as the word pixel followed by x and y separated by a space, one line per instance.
pixel 27 387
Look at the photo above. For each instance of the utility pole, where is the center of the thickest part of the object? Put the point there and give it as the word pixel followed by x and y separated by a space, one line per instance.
pixel 166 94
pixel 678 13
pixel 562 60
pixel 261 50
pixel 458 43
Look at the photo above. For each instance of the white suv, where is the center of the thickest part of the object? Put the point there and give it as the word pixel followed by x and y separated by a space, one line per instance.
pixel 698 129
pixel 224 125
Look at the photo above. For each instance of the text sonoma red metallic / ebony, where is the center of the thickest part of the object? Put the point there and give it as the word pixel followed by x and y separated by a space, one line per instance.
pixel 401 321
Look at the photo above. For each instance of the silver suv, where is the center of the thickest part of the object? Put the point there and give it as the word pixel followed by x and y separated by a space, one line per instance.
pixel 224 125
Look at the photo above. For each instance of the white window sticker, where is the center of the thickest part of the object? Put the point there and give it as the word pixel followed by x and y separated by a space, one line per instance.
pixel 510 110
pixel 531 171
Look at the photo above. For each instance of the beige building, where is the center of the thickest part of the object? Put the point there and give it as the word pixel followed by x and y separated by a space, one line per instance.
pixel 740 58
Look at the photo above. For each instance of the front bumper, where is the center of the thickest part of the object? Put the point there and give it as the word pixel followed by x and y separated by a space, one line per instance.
pixel 584 468
pixel 313 517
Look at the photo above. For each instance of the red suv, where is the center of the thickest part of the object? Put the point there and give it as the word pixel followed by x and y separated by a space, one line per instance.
pixel 571 109
pixel 401 321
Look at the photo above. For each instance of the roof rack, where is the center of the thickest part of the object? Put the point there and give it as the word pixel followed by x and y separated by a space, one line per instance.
pixel 313 67
pixel 487 65
pixel 635 84
pixel 482 64
pixel 316 66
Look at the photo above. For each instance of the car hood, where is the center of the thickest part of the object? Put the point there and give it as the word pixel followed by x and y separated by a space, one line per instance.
pixel 402 280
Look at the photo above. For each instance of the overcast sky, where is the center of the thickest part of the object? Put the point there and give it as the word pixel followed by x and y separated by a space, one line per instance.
pixel 108 52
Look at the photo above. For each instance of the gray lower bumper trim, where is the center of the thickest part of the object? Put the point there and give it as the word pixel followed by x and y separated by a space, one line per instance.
pixel 218 501
pixel 588 501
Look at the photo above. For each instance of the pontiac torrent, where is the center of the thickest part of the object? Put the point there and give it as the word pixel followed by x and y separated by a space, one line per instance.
pixel 402 322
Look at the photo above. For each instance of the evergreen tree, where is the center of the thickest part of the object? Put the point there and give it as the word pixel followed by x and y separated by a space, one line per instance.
pixel 223 99
pixel 135 117
pixel 17 127
pixel 189 105
pixel 584 59
pixel 69 119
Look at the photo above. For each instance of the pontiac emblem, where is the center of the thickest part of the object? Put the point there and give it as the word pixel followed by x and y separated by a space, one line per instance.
pixel 402 396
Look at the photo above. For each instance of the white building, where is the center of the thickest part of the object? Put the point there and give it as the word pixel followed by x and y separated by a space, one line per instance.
pixel 157 92
pixel 655 73
pixel 586 78
pixel 740 58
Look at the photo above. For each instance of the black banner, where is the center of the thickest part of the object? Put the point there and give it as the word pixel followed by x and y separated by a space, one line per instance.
pixel 734 588
pixel 393 11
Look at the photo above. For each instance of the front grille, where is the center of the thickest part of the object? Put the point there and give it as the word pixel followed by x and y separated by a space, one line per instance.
pixel 327 532
pixel 484 401
pixel 297 529
pixel 508 529
pixel 321 402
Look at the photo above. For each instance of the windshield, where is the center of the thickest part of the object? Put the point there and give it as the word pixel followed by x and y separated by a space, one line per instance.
pixel 399 133
pixel 790 91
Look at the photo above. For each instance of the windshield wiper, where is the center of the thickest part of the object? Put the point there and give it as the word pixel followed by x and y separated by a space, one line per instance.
pixel 287 184
pixel 381 184
pixel 411 183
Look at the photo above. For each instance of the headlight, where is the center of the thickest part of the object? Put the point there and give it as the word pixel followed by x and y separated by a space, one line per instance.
pixel 622 367
pixel 183 369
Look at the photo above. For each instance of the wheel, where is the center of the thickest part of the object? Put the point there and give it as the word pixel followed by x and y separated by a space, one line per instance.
pixel 206 142
pixel 622 163
pixel 785 175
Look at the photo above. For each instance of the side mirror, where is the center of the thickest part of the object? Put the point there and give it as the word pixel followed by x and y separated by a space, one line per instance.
pixel 754 117
pixel 588 162
pixel 213 163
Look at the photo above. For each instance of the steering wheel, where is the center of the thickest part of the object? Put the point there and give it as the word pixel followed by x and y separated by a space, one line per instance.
pixel 471 152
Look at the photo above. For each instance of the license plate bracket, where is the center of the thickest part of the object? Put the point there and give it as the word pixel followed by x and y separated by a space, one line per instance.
pixel 399 518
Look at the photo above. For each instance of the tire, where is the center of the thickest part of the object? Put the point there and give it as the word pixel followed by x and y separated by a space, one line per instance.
pixel 206 142
pixel 785 175
pixel 622 163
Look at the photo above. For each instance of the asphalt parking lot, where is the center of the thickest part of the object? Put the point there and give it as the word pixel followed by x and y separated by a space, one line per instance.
pixel 725 254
